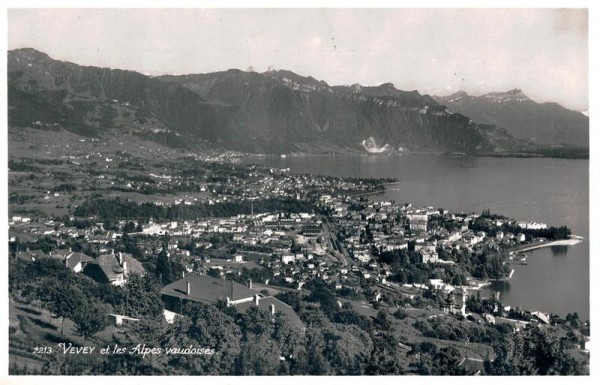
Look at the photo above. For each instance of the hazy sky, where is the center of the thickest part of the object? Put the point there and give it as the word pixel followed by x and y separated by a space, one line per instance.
pixel 435 51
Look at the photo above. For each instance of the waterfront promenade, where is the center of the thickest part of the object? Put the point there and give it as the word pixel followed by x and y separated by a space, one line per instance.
pixel 561 242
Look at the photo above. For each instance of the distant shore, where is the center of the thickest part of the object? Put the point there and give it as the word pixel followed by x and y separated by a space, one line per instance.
pixel 555 153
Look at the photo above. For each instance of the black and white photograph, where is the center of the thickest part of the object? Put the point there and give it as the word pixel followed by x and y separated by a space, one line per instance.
pixel 313 190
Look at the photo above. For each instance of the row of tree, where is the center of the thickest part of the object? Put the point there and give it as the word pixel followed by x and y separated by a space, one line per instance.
pixel 118 209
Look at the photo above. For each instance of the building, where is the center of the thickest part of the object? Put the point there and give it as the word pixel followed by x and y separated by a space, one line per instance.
pixel 456 302
pixel 210 290
pixel 114 268
pixel 428 255
pixel 417 222
pixel 205 289
pixel 541 317
pixel 311 231
pixel 72 260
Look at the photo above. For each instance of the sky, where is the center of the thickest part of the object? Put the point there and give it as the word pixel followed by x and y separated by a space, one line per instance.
pixel 544 52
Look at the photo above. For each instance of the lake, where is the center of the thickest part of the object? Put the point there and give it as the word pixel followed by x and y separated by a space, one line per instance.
pixel 553 191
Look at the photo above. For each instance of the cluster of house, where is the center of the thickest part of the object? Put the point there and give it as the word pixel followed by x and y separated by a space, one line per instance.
pixel 28 229
pixel 391 228
pixel 385 226
pixel 301 247
pixel 258 183
pixel 109 267
pixel 115 268
pixel 279 183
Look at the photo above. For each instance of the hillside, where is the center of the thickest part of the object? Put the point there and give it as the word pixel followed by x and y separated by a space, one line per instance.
pixel 301 113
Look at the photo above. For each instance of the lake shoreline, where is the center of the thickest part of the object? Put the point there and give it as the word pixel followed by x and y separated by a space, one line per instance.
pixel 550 153
pixel 508 186
pixel 561 242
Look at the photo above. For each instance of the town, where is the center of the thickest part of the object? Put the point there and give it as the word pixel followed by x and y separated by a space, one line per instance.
pixel 197 230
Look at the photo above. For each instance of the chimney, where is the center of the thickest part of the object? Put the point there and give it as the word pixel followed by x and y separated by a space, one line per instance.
pixel 189 287
pixel 272 309
pixel 125 272
pixel 250 283
pixel 256 299
pixel 120 258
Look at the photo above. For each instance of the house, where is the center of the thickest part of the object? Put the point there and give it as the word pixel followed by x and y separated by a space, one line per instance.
pixel 489 319
pixel 205 289
pixel 73 260
pixel 456 302
pixel 114 268
pixel 210 290
pixel 516 325
pixel 417 222
pixel 362 256
pixel 429 256
pixel 273 306
pixel 542 317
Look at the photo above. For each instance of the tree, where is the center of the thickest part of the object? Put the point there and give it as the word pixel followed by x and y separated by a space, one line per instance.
pixel 533 351
pixel 383 320
pixel 142 297
pixel 90 319
pixel 322 294
pixel 259 354
pixel 446 362
pixel 401 314
pixel 205 326
pixel 317 364
pixel 291 345
pixel 129 227
pixel 385 355
pixel 434 361
pixel 163 267
pixel 63 300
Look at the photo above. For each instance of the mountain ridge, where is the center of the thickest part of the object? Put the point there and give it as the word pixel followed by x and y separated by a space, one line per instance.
pixel 544 123
pixel 271 112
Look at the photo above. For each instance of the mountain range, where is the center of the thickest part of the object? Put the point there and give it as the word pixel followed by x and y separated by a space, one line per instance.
pixel 547 123
pixel 270 112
